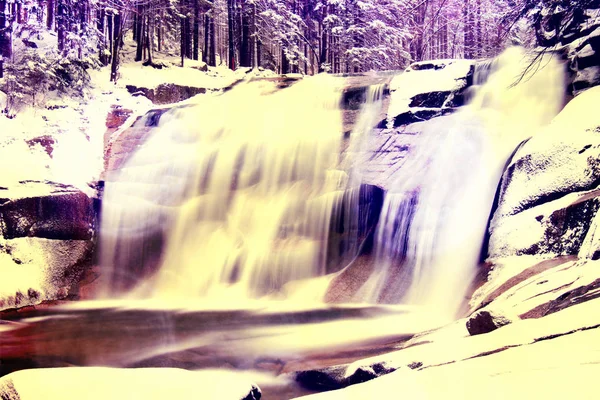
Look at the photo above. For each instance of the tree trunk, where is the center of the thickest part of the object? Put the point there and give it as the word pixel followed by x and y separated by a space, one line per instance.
pixel 212 43
pixel 148 40
pixel 61 25
pixel 50 16
pixel 206 38
pixel 196 36
pixel 245 53
pixel 139 29
pixel 117 32
pixel 182 44
pixel 5 45
pixel 230 34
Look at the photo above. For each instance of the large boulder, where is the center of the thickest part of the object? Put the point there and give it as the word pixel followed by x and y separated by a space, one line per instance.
pixel 46 241
pixel 428 89
pixel 574 32
pixel 549 192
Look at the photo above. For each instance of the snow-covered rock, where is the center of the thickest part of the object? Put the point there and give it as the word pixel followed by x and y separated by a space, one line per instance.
pixel 428 89
pixel 484 321
pixel 110 383
pixel 558 349
pixel 548 195
pixel 46 241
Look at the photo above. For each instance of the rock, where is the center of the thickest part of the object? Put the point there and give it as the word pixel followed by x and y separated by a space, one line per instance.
pixel 548 194
pixel 484 322
pixel 337 377
pixel 45 141
pixel 46 242
pixel 46 210
pixel 118 150
pixel 167 93
pixel 117 116
pixel 575 32
pixel 428 89
pixel 111 383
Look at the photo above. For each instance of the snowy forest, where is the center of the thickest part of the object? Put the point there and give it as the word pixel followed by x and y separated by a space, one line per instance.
pixel 292 36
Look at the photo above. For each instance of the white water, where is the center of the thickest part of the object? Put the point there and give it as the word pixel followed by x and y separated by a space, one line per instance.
pixel 243 188
pixel 433 222
pixel 242 185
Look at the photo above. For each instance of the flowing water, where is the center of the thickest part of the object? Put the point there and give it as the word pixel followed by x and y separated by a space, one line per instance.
pixel 221 234
pixel 435 215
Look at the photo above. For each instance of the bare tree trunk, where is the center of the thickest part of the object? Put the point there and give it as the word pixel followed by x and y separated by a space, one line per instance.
pixel 212 42
pixel 196 36
pixel 139 32
pixel 116 45
pixel 231 33
pixel 50 16
pixel 5 41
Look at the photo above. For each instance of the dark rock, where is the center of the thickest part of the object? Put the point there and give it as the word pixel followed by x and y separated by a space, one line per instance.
pixel 255 394
pixel 349 238
pixel 411 117
pixel 485 322
pixel 430 100
pixel 29 43
pixel 324 379
pixel 117 116
pixel 333 378
pixel 46 141
pixel 60 214
pixel 570 298
pixel 167 93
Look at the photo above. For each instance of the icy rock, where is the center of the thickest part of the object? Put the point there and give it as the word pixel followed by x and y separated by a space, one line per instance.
pixel 131 384
pixel 547 195
pixel 167 93
pixel 428 89
pixel 484 321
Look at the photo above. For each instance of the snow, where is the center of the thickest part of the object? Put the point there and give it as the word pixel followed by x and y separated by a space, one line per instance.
pixel 412 82
pixel 500 364
pixel 134 384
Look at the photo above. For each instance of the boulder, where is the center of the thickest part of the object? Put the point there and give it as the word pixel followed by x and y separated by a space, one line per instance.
pixel 548 195
pixel 341 376
pixel 428 89
pixel 167 93
pixel 484 321
pixel 46 242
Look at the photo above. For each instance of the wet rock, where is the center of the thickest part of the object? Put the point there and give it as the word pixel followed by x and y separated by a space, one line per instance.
pixel 575 32
pixel 427 90
pixel 46 210
pixel 167 93
pixel 484 322
pixel 337 377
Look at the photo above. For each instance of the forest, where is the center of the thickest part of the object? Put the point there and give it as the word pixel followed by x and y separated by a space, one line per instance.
pixel 291 36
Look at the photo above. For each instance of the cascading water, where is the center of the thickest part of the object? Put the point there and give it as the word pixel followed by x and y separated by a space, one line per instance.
pixel 429 237
pixel 243 185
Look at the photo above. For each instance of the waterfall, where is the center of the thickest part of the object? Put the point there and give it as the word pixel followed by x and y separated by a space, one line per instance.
pixel 240 190
pixel 429 237
pixel 244 194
